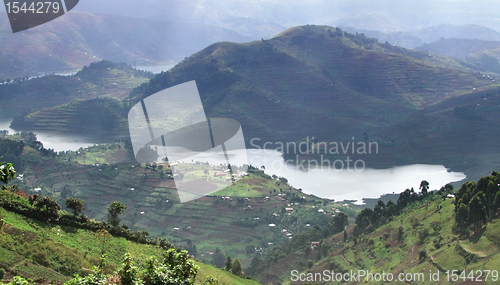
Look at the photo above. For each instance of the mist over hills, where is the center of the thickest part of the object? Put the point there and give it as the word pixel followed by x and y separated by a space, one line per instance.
pixel 77 39
pixel 263 18
pixel 418 37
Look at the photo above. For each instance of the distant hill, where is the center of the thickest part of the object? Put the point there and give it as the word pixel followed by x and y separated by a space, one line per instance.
pixel 77 39
pixel 101 79
pixel 460 48
pixel 431 35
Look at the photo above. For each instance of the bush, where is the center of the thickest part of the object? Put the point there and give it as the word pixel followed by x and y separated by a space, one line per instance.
pixel 422 255
pixel 2 273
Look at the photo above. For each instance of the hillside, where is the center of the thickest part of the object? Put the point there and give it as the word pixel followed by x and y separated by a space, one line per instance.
pixel 423 238
pixel 319 81
pixel 103 79
pixel 77 39
pixel 102 174
pixel 51 253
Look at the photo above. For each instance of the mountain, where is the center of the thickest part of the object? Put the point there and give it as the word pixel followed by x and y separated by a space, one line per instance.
pixel 263 19
pixel 320 81
pixel 77 39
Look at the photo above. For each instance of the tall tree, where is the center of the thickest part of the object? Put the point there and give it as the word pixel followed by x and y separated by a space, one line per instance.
pixel 424 187
pixel 229 263
pixel 237 268
pixel 116 208
pixel 218 258
pixel 477 212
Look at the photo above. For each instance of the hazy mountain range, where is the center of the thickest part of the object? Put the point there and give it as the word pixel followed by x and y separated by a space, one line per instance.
pixel 77 39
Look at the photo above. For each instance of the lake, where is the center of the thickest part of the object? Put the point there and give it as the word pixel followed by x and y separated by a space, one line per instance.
pixel 351 184
pixel 155 69
pixel 322 182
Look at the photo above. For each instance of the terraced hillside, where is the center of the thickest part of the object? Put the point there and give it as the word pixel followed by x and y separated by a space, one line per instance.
pixel 231 219
pixel 316 81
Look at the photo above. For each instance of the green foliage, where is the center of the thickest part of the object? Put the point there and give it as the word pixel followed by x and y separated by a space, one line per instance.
pixel 115 208
pixel 476 202
pixel 237 269
pixel 218 258
pixel 229 263
pixel 76 205
pixel 7 172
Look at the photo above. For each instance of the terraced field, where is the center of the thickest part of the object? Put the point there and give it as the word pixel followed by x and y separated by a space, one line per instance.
pixel 230 219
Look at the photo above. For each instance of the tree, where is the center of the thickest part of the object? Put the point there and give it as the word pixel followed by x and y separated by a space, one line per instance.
pixel 338 223
pixel 128 271
pixel 237 268
pixel 104 236
pixel 229 263
pixel 218 258
pixel 116 208
pixel 48 206
pixel 345 236
pixel 424 187
pixel 477 212
pixel 496 203
pixel 76 205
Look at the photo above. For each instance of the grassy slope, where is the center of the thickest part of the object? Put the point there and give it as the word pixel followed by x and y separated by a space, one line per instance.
pixel 38 250
pixel 209 222
pixel 382 251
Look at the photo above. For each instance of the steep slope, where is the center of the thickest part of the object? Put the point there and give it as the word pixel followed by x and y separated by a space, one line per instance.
pixel 51 253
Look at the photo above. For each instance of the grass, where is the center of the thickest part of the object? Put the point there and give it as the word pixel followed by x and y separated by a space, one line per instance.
pixel 38 250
